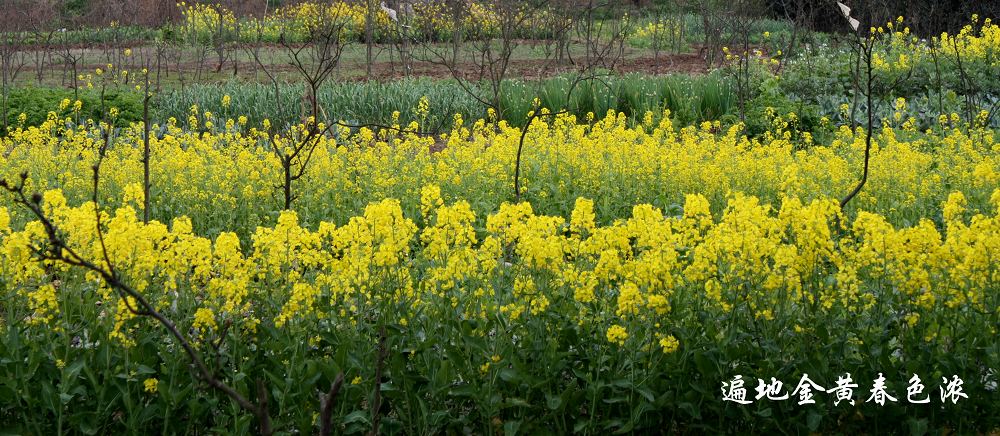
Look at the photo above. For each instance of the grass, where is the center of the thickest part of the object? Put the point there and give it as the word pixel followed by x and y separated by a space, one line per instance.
pixel 690 99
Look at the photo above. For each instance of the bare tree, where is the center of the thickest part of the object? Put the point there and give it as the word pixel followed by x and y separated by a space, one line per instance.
pixel 974 97
pixel 483 73
pixel 253 49
pixel 801 14
pixel 459 10
pixel 604 40
pixel 744 20
pixel 221 37
pixel 867 84
pixel 42 49
pixel 71 63
pixel 314 61
pixel 401 15
pixel 369 35
pixel 161 50
pixel 713 20
pixel 146 96
pixel 581 77
pixel 12 61
pixel 562 26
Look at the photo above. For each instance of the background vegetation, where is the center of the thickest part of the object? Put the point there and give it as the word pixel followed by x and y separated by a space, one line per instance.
pixel 542 235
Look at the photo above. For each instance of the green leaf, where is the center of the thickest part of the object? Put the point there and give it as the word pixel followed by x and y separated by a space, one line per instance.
pixel 918 427
pixel 690 409
pixel 705 365
pixel 356 417
pixel 73 369
pixel 464 390
pixel 614 423
pixel 516 402
pixel 144 370
pixel 553 401
pixel 510 428
pixel 646 393
pixel 699 388
pixel 622 383
pixel 813 420
pixel 6 395
pixel 509 374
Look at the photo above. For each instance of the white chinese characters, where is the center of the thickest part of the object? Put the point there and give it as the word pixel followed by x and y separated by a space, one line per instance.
pixel 954 389
pixel 878 391
pixel 806 390
pixel 844 390
pixel 915 389
pixel 736 393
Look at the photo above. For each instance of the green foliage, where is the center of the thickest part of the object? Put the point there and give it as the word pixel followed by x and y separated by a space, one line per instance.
pixel 824 76
pixel 96 35
pixel 682 30
pixel 75 7
pixel 550 374
pixel 690 99
pixel 771 102
pixel 36 103
pixel 352 102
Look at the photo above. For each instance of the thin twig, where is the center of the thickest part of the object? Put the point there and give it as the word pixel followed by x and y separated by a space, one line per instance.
pixel 327 402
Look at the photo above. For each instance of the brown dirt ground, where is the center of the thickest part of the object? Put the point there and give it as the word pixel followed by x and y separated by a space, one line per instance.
pixel 690 63
pixel 634 61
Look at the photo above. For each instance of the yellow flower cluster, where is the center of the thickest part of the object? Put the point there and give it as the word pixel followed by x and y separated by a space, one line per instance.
pixel 626 276
pixel 974 45
pixel 662 28
pixel 899 50
pixel 225 176
pixel 627 226
pixel 296 22
pixel 205 18
pixel 617 334
pixel 150 385
pixel 664 33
